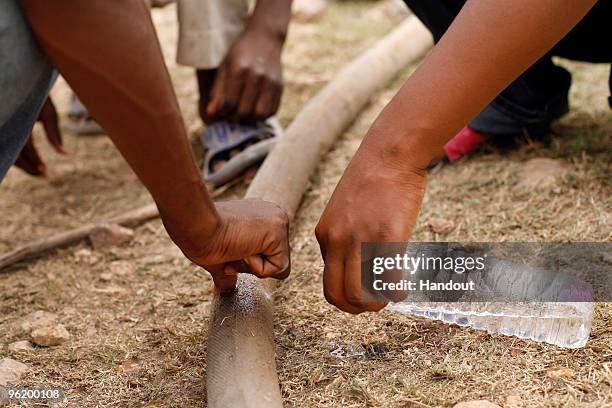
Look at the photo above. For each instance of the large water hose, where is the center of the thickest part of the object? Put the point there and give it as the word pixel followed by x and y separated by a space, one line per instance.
pixel 241 368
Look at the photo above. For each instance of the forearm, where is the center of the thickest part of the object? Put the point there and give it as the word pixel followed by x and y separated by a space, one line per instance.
pixel 109 54
pixel 271 17
pixel 488 45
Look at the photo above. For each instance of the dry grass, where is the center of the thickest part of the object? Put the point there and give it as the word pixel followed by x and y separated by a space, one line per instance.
pixel 400 361
pixel 140 338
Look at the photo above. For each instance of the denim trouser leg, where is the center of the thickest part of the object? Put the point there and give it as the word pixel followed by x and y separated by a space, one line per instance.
pixel 25 79
pixel 15 131
pixel 540 94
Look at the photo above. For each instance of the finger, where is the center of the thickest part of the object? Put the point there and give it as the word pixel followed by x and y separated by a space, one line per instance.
pixel 31 159
pixel 26 166
pixel 356 294
pixel 277 266
pixel 333 285
pixel 232 90
pixel 224 282
pixel 226 95
pixel 216 94
pixel 275 259
pixel 235 267
pixel 250 92
pixel 268 101
pixel 48 117
pixel 277 100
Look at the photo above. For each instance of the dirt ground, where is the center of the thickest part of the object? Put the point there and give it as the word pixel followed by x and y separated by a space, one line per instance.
pixel 138 313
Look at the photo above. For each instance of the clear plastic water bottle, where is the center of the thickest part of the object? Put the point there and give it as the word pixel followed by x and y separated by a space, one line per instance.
pixel 561 323
pixel 523 301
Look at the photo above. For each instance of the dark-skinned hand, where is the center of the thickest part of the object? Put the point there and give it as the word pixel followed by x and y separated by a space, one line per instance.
pixel 373 202
pixel 248 84
pixel 29 160
pixel 252 236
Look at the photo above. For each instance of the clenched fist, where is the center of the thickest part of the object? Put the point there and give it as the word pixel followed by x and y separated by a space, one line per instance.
pixel 251 236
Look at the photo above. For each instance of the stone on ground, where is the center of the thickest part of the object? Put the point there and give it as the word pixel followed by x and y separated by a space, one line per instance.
pixel 50 335
pixel 23 345
pixel 38 319
pixel 86 256
pixel 440 225
pixel 11 371
pixel 110 235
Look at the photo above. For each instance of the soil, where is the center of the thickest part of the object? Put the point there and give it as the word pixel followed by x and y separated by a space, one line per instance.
pixel 138 313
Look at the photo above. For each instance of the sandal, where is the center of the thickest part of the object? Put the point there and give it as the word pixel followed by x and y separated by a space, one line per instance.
pixel 232 148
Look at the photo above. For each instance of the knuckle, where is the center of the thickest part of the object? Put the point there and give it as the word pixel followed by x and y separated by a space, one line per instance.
pixel 334 236
pixel 276 83
pixel 268 79
pixel 279 214
pixel 282 220
pixel 240 67
pixel 284 216
pixel 279 224
pixel 258 74
pixel 320 232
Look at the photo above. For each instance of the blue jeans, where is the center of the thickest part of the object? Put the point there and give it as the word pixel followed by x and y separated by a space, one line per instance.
pixel 540 94
pixel 26 77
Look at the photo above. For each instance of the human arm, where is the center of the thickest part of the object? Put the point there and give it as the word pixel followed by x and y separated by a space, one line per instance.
pixel 109 54
pixel 488 45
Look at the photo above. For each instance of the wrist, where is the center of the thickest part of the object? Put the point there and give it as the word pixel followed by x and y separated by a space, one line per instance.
pixel 405 152
pixel 191 221
pixel 274 32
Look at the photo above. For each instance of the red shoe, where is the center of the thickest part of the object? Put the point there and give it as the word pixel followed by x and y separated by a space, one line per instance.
pixel 464 143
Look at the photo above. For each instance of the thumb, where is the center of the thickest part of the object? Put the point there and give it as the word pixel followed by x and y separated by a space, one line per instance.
pixel 225 284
